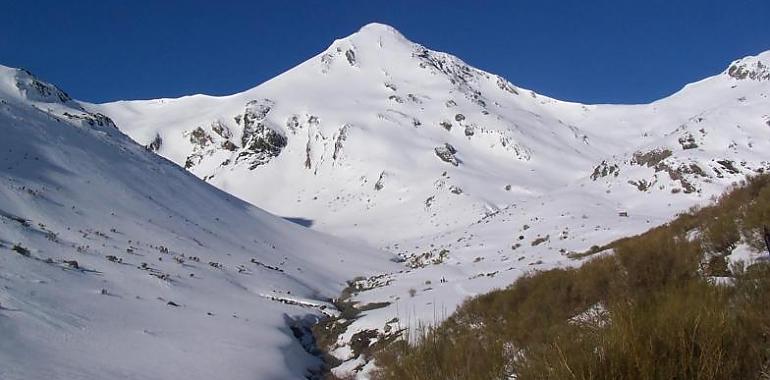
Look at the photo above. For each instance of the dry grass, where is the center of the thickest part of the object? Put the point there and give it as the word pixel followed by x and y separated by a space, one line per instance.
pixel 655 314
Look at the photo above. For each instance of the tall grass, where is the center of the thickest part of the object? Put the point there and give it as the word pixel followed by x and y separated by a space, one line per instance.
pixel 649 311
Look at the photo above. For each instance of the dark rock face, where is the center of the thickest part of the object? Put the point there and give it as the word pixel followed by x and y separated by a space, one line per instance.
pixel 37 90
pixel 199 137
pixel 469 130
pixel 457 72
pixel 688 142
pixel 604 169
pixel 155 144
pixel 292 124
pixel 89 119
pixel 651 158
pixel 200 140
pixel 221 129
pixel 262 145
pixel 746 70
pixel 259 143
pixel 351 57
pixel 228 145
pixel 380 184
pixel 338 143
pixel 728 166
pixel 447 153
pixel 506 86
pixel 641 185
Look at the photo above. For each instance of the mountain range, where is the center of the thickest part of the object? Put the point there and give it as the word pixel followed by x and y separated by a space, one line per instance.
pixel 402 174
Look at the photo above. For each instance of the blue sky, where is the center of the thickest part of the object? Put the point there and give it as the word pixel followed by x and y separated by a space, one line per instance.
pixel 589 51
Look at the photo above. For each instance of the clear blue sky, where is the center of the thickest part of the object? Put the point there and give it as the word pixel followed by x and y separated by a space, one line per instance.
pixel 588 51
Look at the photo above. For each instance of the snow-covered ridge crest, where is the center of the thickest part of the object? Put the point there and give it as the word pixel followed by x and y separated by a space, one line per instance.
pixel 23 84
pixel 751 67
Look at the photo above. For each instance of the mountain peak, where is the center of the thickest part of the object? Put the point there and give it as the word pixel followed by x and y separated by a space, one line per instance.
pixel 377 28
pixel 379 32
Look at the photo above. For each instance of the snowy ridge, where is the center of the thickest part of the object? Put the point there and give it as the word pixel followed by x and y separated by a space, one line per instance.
pixel 115 263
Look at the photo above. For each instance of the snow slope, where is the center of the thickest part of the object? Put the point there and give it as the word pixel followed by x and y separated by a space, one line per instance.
pixel 115 263
pixel 469 178
pixel 354 137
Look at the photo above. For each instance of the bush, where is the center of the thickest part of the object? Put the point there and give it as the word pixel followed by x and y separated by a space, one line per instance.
pixel 647 312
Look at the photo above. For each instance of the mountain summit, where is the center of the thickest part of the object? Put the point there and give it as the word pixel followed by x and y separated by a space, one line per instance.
pixel 376 127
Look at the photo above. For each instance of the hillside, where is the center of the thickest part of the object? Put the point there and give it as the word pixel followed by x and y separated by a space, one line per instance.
pixel 470 179
pixel 378 128
pixel 116 263
pixel 686 300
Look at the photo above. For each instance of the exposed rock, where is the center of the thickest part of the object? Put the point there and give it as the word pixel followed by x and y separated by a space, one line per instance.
pixel 755 70
pixel 688 142
pixel 351 56
pixel 37 90
pixel 292 124
pixel 728 166
pixel 341 137
pixel 88 119
pixel 221 129
pixel 678 174
pixel 155 144
pixel 447 153
pixel 256 110
pixel 469 130
pixel 228 145
pixel 326 62
pixel 456 71
pixel 260 143
pixel 446 125
pixel 604 169
pixel 651 158
pixel 380 182
pixel 641 185
pixel 506 86
pixel 199 137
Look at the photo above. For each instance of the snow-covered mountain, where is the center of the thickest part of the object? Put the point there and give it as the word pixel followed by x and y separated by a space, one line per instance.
pixel 471 179
pixel 116 263
pixel 377 135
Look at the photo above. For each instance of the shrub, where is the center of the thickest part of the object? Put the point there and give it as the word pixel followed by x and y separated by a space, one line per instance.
pixel 646 312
